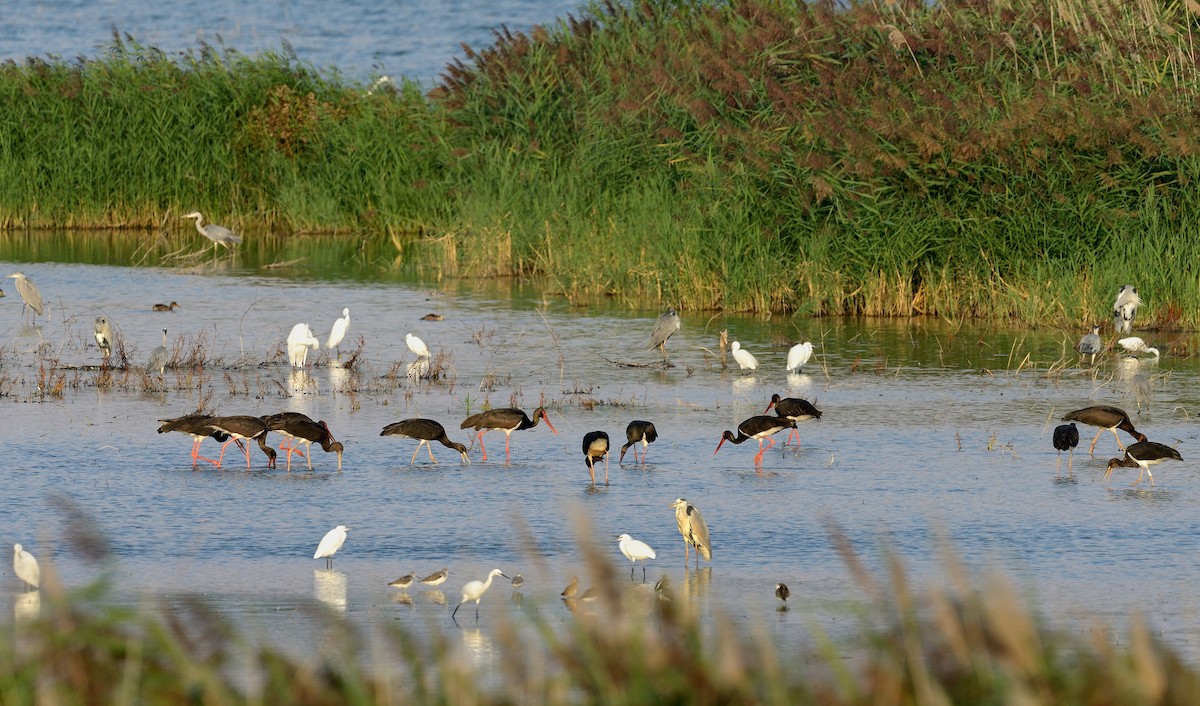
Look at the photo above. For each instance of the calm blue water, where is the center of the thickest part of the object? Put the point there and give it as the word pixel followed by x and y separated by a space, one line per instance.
pixel 362 39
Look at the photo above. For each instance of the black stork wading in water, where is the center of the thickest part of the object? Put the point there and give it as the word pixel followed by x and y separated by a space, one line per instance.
pixel 424 431
pixel 760 428
pixel 1105 417
pixel 301 428
pixel 507 420
pixel 796 409
pixel 195 426
pixel 638 431
pixel 243 427
pixel 1066 438
pixel 595 447
pixel 1143 455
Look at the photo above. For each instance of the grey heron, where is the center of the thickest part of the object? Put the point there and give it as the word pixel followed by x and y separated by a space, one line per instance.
pixel 760 428
pixel 1143 394
pixel 507 420
pixel 693 528
pixel 798 356
pixel 104 336
pixel 424 431
pixel 1105 417
pixel 744 358
pixel 338 332
pixel 1125 308
pixel 796 409
pixel 638 431
pixel 330 544
pixel 25 566
pixel 437 578
pixel 474 590
pixel 595 447
pixel 665 327
pixel 158 357
pixel 1066 438
pixel 1090 344
pixel 299 341
pixel 30 295
pixel 635 550
pixel 1142 455
pixel 219 235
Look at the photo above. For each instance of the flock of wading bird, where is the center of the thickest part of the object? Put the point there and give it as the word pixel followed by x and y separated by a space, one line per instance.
pixel 1143 453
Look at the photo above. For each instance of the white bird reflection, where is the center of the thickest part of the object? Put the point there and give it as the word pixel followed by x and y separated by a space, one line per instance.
pixel 27 606
pixel 329 586
pixel 798 381
pixel 436 596
pixel 479 648
pixel 301 382
pixel 338 377
pixel 744 384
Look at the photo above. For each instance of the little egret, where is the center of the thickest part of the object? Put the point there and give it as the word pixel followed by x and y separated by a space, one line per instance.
pixel 158 357
pixel 416 345
pixel 474 590
pixel 694 530
pixel 796 409
pixel 635 550
pixel 219 235
pixel 424 431
pixel 166 307
pixel 743 357
pixel 782 592
pixel 1125 308
pixel 338 332
pixel 798 356
pixel 330 544
pixel 1105 417
pixel 1135 345
pixel 1142 455
pixel 595 447
pixel 104 336
pixel 30 296
pixel 299 341
pixel 760 428
pixel 437 578
pixel 507 420
pixel 638 431
pixel 1090 344
pixel 301 428
pixel 26 567
pixel 664 327
pixel 404 581
pixel 1066 438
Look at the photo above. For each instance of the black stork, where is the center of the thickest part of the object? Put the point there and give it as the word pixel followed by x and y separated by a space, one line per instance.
pixel 507 420
pixel 796 409
pixel 758 427
pixel 1105 417
pixel 243 426
pixel 1143 455
pixel 638 431
pixel 595 447
pixel 424 431
pixel 1066 438
pixel 300 427
pixel 195 426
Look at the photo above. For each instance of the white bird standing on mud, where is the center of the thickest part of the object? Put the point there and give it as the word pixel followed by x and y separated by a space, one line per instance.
pixel 298 342
pixel 338 332
pixel 1125 308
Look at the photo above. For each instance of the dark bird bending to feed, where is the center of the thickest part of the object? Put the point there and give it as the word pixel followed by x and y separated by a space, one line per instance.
pixel 664 327
pixel 424 431
pixel 595 447
pixel 1125 308
pixel 1142 455
pixel 760 428
pixel 195 426
pixel 693 528
pixel 219 235
pixel 1066 438
pixel 796 409
pixel 1090 344
pixel 1105 417
pixel 299 427
pixel 507 420
pixel 243 426
pixel 638 431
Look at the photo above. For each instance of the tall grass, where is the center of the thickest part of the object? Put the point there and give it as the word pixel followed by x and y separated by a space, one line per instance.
pixel 959 159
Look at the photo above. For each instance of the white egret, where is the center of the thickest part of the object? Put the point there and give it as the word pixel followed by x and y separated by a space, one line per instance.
pixel 219 235
pixel 693 528
pixel 298 342
pixel 338 332
pixel 437 578
pixel 1090 344
pixel 30 296
pixel 330 544
pixel 158 357
pixel 417 346
pixel 743 357
pixel 635 550
pixel 638 431
pixel 798 356
pixel 104 336
pixel 1125 308
pixel 26 567
pixel 664 327
pixel 1133 344
pixel 474 590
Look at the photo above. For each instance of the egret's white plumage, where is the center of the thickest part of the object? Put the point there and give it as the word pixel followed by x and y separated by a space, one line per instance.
pixel 26 567
pixel 338 332
pixel 743 357
pixel 635 550
pixel 1133 344
pixel 298 342
pixel 330 544
pixel 798 356
pixel 474 590
pixel 417 346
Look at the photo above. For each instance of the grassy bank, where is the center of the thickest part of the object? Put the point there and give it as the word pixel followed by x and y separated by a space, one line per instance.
pixel 1016 160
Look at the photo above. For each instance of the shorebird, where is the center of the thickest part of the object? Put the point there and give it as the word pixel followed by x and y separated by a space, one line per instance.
pixel 437 578
pixel 404 581
pixel 782 592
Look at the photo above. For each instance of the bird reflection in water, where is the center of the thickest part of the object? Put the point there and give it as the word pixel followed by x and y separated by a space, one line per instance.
pixel 479 648
pixel 27 606
pixel 301 382
pixel 436 596
pixel 337 376
pixel 329 587
pixel 402 598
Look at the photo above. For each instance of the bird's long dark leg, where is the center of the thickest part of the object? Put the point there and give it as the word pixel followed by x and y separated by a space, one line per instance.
pixel 643 571
pixel 1092 448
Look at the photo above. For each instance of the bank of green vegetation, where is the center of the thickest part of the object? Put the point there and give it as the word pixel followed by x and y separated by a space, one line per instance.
pixel 961 159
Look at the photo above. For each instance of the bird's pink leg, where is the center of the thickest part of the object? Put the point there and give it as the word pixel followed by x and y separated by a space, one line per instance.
pixel 1119 444
pixel 416 451
pixel 429 448
pixel 308 446
pixel 507 455
pixel 222 456
pixel 481 446
pixel 246 448
pixel 1092 448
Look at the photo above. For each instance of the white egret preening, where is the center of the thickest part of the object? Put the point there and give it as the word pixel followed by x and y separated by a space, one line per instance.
pixel 26 567
pixel 635 550
pixel 743 357
pixel 219 235
pixel 798 356
pixel 330 544
pixel 338 332
pixel 298 342
pixel 1125 308
pixel 104 336
pixel 474 590
pixel 30 296
pixel 693 528
pixel 1135 345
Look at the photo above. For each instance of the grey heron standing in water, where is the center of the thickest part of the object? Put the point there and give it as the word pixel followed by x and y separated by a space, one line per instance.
pixel 694 530
pixel 1125 308
pixel 30 295
pixel 219 235
pixel 158 357
pixel 665 327
pixel 1091 344
pixel 104 337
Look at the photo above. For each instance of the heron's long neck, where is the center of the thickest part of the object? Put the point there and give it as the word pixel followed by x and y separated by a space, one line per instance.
pixel 199 226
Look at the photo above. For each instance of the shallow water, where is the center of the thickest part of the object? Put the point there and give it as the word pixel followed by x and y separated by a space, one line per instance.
pixel 932 435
